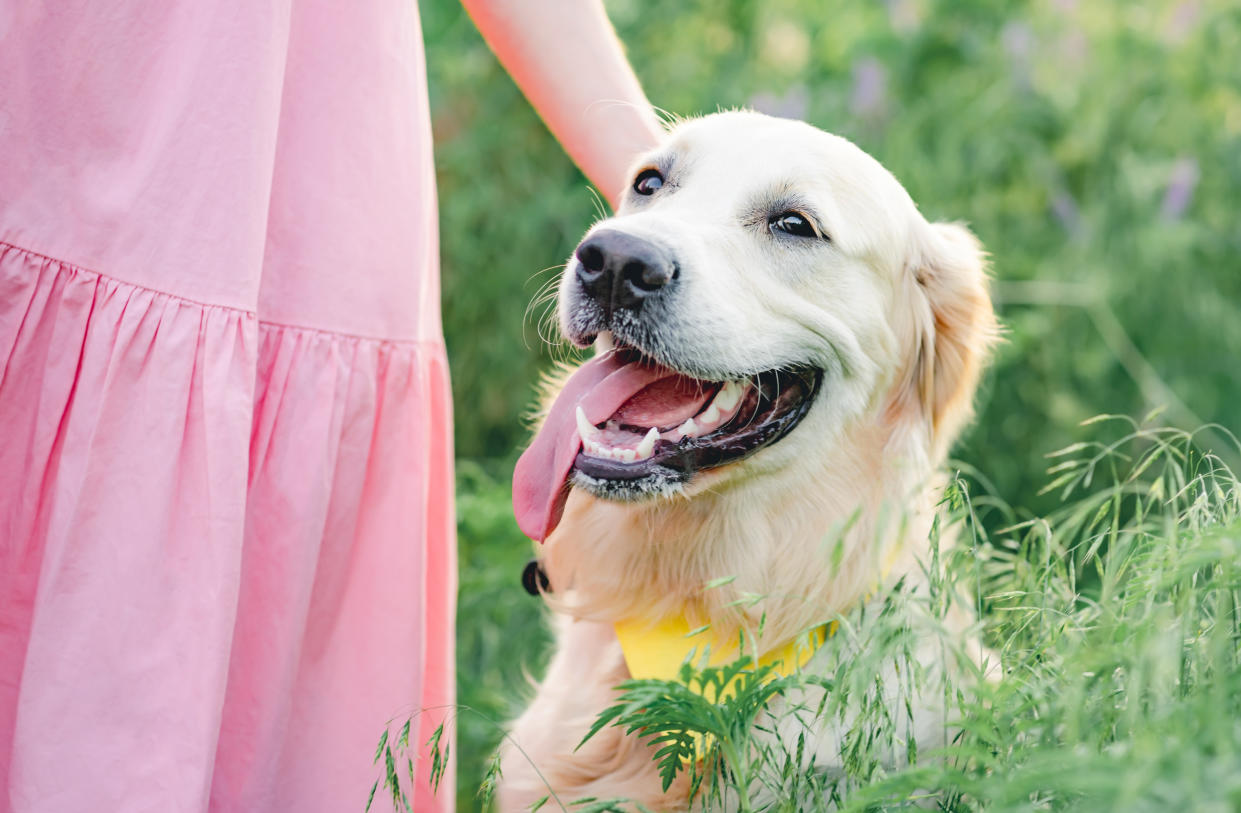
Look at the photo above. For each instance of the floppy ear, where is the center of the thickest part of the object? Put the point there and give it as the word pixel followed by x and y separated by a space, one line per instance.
pixel 955 329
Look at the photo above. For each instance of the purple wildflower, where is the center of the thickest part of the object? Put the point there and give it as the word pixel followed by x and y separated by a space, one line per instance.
pixel 1064 207
pixel 1180 191
pixel 790 105
pixel 870 88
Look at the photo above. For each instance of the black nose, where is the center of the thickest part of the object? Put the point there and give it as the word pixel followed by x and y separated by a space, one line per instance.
pixel 619 270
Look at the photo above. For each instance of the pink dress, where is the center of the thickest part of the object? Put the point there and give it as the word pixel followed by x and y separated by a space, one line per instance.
pixel 226 531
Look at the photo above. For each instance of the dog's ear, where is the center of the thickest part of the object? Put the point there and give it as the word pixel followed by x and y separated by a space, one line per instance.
pixel 954 327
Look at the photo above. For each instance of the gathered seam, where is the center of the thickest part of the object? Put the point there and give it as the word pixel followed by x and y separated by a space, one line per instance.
pixel 263 324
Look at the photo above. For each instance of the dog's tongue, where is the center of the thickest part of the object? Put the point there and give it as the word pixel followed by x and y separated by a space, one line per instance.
pixel 651 396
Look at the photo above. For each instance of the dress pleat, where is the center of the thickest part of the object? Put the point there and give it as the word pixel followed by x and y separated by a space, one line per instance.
pixel 223 575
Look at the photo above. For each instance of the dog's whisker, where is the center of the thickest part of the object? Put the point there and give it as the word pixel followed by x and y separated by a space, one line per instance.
pixel 601 206
pixel 551 268
pixel 540 300
pixel 543 305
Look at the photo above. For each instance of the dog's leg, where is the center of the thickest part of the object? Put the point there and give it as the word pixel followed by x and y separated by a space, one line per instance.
pixel 539 756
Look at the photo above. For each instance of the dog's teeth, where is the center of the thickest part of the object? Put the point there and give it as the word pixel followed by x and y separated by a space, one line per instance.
pixel 584 427
pixel 711 416
pixel 603 342
pixel 728 396
pixel 688 429
pixel 626 455
pixel 647 447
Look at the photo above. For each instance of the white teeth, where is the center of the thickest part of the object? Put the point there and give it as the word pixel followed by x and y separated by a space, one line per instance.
pixel 721 406
pixel 595 448
pixel 728 396
pixel 584 427
pixel 647 447
pixel 724 402
pixel 603 342
pixel 599 450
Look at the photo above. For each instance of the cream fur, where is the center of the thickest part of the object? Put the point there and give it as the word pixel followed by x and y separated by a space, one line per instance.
pixel 897 312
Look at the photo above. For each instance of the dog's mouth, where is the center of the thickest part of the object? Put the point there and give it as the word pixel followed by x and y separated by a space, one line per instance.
pixel 626 427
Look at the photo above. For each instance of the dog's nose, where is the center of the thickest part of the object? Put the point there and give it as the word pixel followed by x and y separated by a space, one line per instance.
pixel 619 270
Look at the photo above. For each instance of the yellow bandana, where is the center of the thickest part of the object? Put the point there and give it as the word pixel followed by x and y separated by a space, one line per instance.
pixel 656 649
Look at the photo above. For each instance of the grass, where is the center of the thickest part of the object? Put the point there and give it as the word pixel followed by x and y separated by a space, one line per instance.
pixel 1115 621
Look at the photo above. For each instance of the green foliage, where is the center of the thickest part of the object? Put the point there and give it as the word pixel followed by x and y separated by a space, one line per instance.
pixel 1114 624
pixel 1114 629
pixel 1118 696
pixel 501 635
pixel 693 733
pixel 1095 147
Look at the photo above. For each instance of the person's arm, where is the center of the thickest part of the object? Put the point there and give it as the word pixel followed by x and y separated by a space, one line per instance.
pixel 565 57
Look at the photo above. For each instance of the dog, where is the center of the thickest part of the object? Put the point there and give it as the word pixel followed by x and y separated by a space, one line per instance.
pixel 785 349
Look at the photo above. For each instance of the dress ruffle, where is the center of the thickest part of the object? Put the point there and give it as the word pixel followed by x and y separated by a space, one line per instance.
pixel 168 470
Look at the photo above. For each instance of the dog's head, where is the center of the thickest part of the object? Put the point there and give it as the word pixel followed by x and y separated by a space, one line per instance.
pixel 765 291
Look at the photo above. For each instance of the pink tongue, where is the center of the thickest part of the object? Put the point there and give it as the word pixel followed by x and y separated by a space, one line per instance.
pixel 601 386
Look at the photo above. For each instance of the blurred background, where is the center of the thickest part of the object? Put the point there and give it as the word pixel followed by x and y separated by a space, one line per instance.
pixel 1094 147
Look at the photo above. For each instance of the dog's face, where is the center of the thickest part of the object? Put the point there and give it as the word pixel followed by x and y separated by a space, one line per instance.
pixel 763 288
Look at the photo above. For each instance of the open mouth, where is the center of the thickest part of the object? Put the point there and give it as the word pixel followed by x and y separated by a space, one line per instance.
pixel 687 425
pixel 626 427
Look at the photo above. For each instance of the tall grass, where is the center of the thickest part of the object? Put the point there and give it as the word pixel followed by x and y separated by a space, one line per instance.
pixel 1114 634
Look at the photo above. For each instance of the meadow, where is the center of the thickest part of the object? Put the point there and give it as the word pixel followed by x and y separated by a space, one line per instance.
pixel 1095 148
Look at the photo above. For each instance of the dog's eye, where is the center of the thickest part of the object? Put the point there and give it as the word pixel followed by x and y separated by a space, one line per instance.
pixel 648 181
pixel 792 223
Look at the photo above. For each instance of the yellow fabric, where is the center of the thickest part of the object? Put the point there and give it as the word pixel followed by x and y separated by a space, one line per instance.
pixel 656 649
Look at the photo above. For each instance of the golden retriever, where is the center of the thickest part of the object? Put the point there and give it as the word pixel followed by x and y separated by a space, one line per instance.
pixel 785 349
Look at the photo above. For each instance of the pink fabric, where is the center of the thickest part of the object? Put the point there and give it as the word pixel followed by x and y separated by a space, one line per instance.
pixel 226 534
